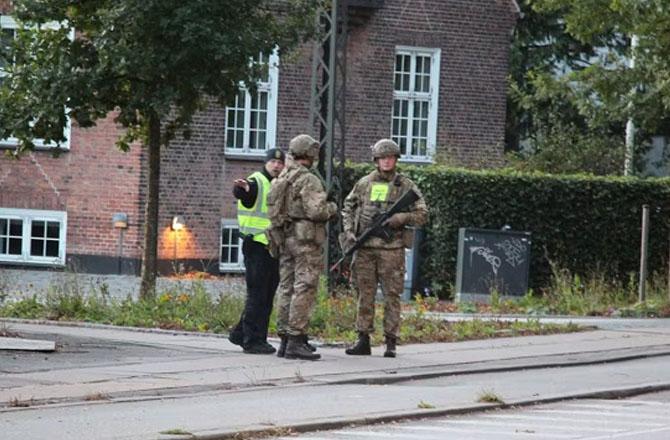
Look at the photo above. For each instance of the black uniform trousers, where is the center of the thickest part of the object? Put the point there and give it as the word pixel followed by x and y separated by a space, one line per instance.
pixel 262 277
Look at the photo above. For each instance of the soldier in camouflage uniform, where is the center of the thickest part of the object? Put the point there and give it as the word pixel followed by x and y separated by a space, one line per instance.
pixel 380 260
pixel 303 234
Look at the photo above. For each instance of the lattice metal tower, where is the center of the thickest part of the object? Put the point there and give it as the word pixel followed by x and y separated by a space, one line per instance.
pixel 328 98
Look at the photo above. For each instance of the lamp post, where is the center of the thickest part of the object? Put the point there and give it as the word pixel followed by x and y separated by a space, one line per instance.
pixel 120 222
pixel 177 225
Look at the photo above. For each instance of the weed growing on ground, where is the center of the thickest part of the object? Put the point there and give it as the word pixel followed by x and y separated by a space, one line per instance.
pixel 489 396
pixel 425 405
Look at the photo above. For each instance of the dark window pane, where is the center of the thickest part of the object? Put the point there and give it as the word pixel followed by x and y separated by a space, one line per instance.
pixel 15 246
pixel 3 226
pixel 53 229
pixel 239 139
pixel 236 236
pixel 261 140
pixel 38 229
pixel 16 228
pixel 52 248
pixel 3 244
pixel 263 120
pixel 37 248
pixel 233 256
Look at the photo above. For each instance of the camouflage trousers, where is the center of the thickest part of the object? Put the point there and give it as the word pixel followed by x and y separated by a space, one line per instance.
pixel 300 265
pixel 372 266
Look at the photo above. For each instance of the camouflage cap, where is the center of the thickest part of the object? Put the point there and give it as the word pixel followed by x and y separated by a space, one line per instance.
pixel 304 145
pixel 385 147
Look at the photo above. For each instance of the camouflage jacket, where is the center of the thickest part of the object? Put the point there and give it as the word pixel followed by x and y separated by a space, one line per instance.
pixel 307 207
pixel 373 195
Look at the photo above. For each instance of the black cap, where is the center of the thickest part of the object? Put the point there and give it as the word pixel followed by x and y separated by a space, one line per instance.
pixel 274 153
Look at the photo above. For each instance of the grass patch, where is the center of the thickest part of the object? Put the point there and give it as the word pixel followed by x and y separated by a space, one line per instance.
pixel 576 295
pixel 191 308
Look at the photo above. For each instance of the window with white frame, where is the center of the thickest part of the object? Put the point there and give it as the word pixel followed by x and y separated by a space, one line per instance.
pixel 30 236
pixel 416 79
pixel 251 120
pixel 230 256
pixel 8 27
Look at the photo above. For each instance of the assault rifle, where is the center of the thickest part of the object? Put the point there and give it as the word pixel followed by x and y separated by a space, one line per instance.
pixel 376 229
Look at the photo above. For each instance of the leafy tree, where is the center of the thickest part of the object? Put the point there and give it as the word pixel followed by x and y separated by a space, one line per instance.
pixel 152 64
pixel 570 71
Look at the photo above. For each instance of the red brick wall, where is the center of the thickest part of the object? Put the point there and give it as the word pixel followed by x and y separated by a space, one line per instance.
pixel 91 182
pixel 474 36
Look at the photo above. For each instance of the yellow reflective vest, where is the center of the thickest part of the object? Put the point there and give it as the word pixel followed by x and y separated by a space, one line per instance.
pixel 254 221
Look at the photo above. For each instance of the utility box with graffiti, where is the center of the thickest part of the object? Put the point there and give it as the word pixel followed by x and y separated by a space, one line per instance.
pixel 492 260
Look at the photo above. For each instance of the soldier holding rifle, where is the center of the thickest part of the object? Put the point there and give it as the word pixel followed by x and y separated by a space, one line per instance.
pixel 380 240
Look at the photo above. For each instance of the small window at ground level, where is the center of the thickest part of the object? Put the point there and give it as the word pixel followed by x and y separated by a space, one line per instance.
pixel 32 236
pixel 230 256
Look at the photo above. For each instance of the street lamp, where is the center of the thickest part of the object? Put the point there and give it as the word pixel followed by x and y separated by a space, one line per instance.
pixel 120 222
pixel 177 225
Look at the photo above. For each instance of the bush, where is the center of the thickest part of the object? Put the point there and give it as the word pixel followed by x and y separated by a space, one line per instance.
pixel 582 223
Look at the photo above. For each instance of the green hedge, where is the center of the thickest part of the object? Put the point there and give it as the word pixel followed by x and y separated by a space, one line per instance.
pixel 581 223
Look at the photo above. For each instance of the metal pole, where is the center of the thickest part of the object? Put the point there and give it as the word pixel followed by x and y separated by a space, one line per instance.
pixel 119 252
pixel 643 252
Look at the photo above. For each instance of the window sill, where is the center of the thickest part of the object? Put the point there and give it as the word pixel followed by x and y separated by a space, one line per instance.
pixel 230 269
pixel 11 145
pixel 54 264
pixel 417 161
pixel 256 157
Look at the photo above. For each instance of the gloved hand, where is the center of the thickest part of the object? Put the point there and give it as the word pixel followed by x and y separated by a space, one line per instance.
pixel 397 220
pixel 346 239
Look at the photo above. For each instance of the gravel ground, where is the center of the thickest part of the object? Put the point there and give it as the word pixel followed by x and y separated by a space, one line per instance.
pixel 20 283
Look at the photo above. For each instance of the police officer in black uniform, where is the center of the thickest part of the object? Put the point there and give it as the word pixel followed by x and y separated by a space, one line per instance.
pixel 262 270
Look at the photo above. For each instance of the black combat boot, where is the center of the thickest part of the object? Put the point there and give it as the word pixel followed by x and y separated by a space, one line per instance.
pixel 282 346
pixel 296 349
pixel 362 346
pixel 390 347
pixel 310 347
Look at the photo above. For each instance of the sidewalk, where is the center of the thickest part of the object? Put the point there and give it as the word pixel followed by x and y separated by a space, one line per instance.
pixel 140 383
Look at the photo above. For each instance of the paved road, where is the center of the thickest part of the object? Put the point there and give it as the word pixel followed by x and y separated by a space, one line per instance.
pixel 644 417
pixel 113 383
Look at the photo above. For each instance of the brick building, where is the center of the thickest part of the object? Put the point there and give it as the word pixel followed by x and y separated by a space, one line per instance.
pixel 429 73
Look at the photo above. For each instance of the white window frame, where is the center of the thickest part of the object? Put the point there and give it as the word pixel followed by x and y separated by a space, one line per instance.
pixel 28 216
pixel 413 96
pixel 238 267
pixel 8 22
pixel 271 87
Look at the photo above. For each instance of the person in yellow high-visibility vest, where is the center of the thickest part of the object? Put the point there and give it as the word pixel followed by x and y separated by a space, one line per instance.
pixel 262 270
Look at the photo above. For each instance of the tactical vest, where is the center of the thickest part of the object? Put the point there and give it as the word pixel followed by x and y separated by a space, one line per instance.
pixel 254 221
pixel 378 197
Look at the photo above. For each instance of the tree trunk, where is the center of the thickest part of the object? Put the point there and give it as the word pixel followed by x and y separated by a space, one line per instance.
pixel 150 257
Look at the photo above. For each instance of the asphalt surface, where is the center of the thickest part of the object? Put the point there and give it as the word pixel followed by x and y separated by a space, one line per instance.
pixel 115 383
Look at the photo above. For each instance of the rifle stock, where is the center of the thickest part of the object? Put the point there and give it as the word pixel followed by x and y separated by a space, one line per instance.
pixel 402 203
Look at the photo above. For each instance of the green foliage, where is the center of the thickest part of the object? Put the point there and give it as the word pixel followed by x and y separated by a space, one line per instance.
pixel 572 86
pixel 584 224
pixel 161 59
